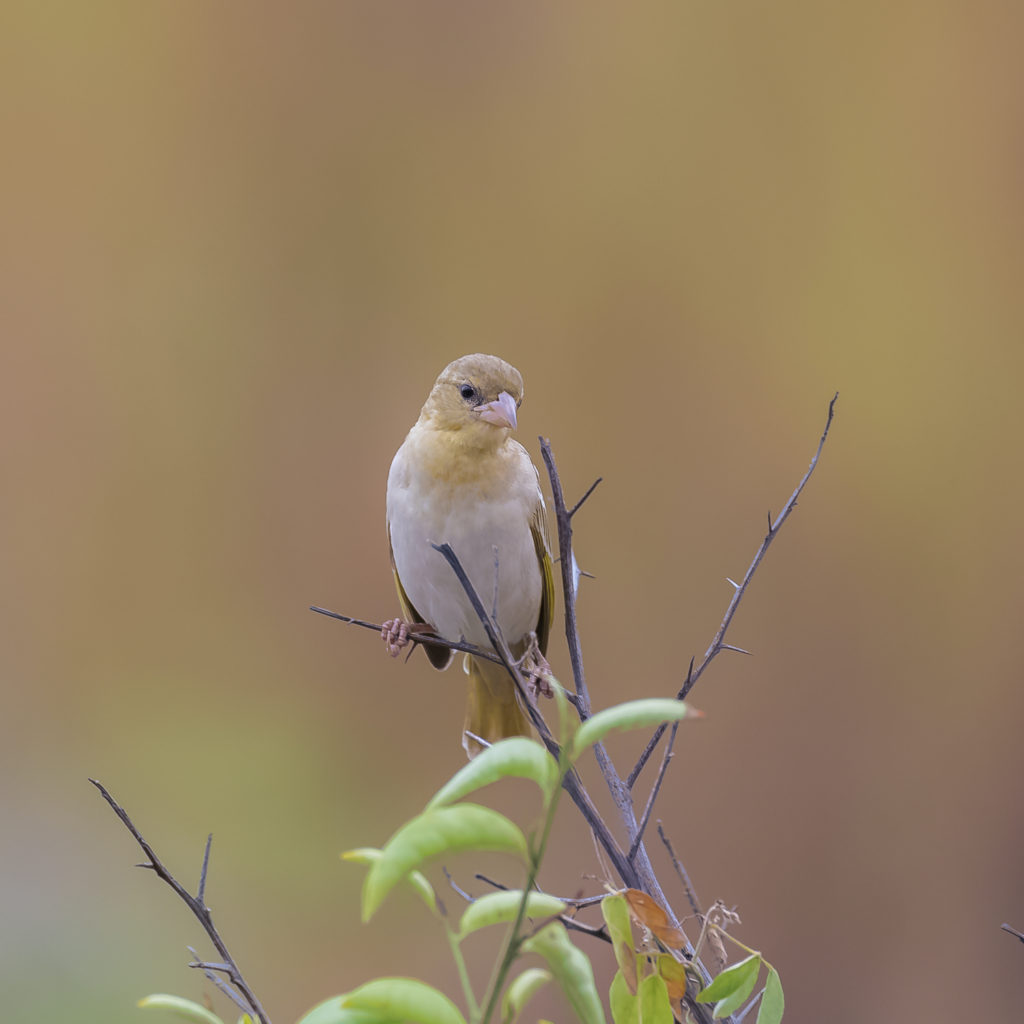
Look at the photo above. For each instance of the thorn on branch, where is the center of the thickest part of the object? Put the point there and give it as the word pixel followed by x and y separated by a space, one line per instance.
pixel 738 650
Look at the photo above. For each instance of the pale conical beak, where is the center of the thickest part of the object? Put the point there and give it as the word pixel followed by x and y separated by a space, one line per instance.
pixel 501 412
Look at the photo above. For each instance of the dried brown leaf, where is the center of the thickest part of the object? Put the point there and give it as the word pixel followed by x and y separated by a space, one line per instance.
pixel 652 916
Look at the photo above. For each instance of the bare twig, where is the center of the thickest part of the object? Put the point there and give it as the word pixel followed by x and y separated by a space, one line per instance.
pixel 461 892
pixel 739 589
pixel 430 639
pixel 586 494
pixel 619 793
pixel 684 877
pixel 655 789
pixel 249 1003
pixel 201 891
pixel 1012 931
pixel 571 781
pixel 563 524
pixel 218 983
pixel 651 744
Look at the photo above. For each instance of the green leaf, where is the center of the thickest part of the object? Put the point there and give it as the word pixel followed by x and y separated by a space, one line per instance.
pixel 571 969
pixel 330 1011
pixel 521 990
pixel 404 999
pixel 772 1000
pixel 517 757
pixel 634 714
pixel 624 1005
pixel 443 831
pixel 733 986
pixel 502 907
pixel 653 1000
pixel 616 916
pixel 183 1008
pixel 368 855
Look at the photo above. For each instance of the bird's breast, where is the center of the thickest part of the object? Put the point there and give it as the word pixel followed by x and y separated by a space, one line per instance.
pixel 485 514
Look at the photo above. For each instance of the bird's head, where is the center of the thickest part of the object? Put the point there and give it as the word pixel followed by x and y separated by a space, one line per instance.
pixel 479 394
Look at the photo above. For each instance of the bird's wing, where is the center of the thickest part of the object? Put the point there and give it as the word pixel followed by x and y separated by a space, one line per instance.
pixel 439 657
pixel 538 527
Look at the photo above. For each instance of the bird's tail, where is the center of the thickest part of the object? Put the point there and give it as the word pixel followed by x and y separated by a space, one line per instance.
pixel 492 706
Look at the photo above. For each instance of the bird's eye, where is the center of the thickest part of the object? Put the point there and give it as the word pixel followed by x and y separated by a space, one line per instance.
pixel 467 391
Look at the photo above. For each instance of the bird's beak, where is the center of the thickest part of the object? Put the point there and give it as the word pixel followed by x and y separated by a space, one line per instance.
pixel 501 412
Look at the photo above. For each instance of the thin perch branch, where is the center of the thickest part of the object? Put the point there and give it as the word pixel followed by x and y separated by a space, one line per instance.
pixel 198 908
pixel 571 781
pixel 430 639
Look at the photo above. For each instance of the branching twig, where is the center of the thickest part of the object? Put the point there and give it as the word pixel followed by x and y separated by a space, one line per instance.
pixel 198 908
pixel 619 792
pixel 571 780
pixel 739 589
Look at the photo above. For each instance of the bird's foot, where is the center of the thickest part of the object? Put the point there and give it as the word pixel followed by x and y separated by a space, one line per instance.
pixel 395 634
pixel 535 667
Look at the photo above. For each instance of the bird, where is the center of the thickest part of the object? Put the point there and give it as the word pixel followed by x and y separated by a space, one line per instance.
pixel 460 478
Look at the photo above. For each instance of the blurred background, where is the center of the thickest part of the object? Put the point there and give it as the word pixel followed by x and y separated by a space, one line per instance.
pixel 238 244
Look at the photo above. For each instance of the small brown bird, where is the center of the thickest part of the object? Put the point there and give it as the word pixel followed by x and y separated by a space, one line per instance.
pixel 460 478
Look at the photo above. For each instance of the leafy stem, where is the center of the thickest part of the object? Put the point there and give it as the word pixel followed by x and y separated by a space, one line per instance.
pixel 460 965
pixel 536 855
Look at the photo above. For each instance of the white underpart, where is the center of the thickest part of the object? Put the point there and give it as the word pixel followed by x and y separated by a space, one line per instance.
pixel 475 521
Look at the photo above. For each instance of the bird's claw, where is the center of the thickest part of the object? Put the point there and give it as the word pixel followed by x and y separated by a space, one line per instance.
pixel 537 670
pixel 395 634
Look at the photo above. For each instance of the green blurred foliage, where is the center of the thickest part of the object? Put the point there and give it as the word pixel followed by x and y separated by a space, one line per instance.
pixel 239 242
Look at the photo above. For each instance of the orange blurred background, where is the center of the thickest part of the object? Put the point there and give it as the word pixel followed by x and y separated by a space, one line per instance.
pixel 240 241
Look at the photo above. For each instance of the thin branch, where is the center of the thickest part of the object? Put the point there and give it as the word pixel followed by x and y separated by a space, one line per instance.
pixel 573 901
pixel 1012 931
pixel 571 781
pixel 201 891
pixel 563 523
pixel 684 877
pixel 586 494
pixel 195 904
pixel 218 983
pixel 718 643
pixel 651 744
pixel 462 892
pixel 655 789
pixel 430 639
